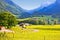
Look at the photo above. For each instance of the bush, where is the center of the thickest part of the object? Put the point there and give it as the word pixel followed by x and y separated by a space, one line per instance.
pixel 7 19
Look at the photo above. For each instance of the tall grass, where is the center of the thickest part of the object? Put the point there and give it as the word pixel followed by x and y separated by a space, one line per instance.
pixel 30 34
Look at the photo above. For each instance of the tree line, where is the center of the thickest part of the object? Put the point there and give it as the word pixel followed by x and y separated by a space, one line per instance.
pixel 42 21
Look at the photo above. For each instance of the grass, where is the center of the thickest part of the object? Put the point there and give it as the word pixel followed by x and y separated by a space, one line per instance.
pixel 45 27
pixel 45 32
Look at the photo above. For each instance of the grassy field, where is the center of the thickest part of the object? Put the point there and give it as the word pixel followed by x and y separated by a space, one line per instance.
pixel 34 32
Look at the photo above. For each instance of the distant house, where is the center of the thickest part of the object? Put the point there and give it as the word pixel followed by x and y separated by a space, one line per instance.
pixel 27 24
pixel 23 25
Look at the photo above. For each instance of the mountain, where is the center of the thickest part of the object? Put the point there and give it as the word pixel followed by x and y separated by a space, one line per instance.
pixel 8 5
pixel 53 9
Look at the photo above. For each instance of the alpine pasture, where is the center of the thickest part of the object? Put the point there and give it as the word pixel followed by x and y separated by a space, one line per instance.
pixel 33 32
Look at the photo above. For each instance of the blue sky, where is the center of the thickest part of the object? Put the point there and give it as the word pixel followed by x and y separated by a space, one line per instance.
pixel 32 4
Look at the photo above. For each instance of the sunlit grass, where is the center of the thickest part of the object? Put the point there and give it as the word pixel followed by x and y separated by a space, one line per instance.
pixel 31 34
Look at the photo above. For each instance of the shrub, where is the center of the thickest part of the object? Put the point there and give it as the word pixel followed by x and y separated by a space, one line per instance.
pixel 7 19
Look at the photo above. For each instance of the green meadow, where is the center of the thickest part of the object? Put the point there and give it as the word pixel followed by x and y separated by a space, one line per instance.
pixel 34 32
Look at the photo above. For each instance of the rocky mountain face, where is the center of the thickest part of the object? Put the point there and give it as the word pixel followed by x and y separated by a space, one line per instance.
pixel 53 9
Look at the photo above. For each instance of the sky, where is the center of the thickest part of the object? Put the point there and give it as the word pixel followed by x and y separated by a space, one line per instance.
pixel 33 4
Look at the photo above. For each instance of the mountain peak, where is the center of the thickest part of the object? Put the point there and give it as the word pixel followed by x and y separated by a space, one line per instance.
pixel 58 1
